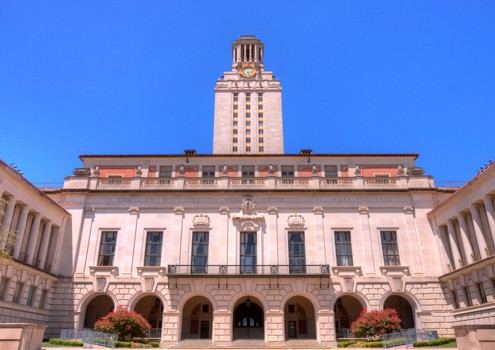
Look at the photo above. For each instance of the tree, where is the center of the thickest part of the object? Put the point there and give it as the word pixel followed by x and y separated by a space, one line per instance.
pixel 126 324
pixel 375 323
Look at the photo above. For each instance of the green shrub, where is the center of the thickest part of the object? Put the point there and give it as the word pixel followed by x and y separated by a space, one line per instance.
pixel 125 324
pixel 123 344
pixel 439 341
pixel 374 344
pixel 154 344
pixel 57 341
pixel 345 344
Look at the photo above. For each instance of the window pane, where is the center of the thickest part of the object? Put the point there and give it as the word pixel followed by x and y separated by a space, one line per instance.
pixel 153 248
pixel 199 258
pixel 248 252
pixel 297 255
pixel 343 248
pixel 390 248
pixel 107 248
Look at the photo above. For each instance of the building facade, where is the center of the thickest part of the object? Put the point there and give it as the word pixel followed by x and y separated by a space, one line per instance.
pixel 252 243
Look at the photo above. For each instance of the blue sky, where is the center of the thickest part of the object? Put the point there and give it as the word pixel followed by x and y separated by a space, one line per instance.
pixel 97 77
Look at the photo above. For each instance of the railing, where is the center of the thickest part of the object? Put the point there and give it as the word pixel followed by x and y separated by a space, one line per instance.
pixel 407 337
pixel 154 333
pixel 265 183
pixel 256 270
pixel 450 183
pixel 88 336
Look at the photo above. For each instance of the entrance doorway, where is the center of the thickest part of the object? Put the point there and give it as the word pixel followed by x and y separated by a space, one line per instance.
pixel 403 308
pixel 248 320
pixel 300 322
pixel 196 319
pixel 97 308
pixel 347 310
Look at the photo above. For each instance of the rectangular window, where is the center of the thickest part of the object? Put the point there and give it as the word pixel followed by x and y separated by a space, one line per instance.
pixel 248 171
pixel 165 171
pixel 234 149
pixel 4 288
pixel 235 132
pixel 390 248
pixel 199 258
pixel 331 171
pixel 261 140
pixel 287 171
pixel 248 252
pixel 248 131
pixel 234 140
pixel 248 98
pixel 107 248
pixel 248 107
pixel 297 254
pixel 235 114
pixel 260 98
pixel 260 115
pixel 44 294
pixel 248 139
pixel 467 294
pixel 153 248
pixel 209 171
pixel 260 131
pixel 235 107
pixel 481 292
pixel 260 122
pixel 19 288
pixel 262 149
pixel 248 115
pixel 248 123
pixel 234 122
pixel 260 106
pixel 456 299
pixel 236 97
pixel 343 248
pixel 31 295
pixel 248 148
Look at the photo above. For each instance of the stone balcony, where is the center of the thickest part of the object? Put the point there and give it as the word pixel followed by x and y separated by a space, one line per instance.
pixel 233 183
pixel 250 270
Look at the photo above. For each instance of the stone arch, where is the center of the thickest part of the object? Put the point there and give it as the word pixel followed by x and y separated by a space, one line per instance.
pixel 347 308
pixel 94 307
pixel 138 296
pixel 188 296
pixel 299 318
pixel 248 318
pixel 197 318
pixel 314 301
pixel 151 307
pixel 260 297
pixel 365 303
pixel 406 309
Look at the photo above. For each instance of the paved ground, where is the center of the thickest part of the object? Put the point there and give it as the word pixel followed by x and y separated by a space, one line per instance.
pixel 252 344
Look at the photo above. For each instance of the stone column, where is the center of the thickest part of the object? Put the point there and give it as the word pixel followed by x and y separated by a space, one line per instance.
pixel 465 239
pixel 272 228
pixel 45 239
pixel 490 214
pixel 21 230
pixel 482 246
pixel 274 327
pixel 238 53
pixel 456 253
pixel 366 255
pixel 412 240
pixel 7 218
pixel 222 329
pixel 33 239
pixel 255 52
pixel 320 232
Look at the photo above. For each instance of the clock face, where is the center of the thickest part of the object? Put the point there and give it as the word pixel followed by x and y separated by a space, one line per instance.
pixel 248 71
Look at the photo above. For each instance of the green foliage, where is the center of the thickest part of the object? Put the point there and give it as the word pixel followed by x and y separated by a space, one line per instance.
pixel 64 342
pixel 154 344
pixel 436 342
pixel 129 344
pixel 371 324
pixel 345 344
pixel 124 323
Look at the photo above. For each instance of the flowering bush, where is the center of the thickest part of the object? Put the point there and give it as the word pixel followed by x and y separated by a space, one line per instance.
pixel 124 323
pixel 376 322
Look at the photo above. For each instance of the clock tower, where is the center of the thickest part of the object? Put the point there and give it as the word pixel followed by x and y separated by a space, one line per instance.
pixel 248 104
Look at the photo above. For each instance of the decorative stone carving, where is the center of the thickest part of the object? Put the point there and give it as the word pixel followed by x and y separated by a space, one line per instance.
pixel 272 210
pixel 224 210
pixel 318 210
pixel 416 171
pixel 295 220
pixel 179 210
pixel 181 170
pixel 225 171
pixel 348 285
pixel 149 283
pixel 248 206
pixel 139 171
pixel 408 210
pixel 134 210
pixel 364 210
pixel 357 171
pixel 401 171
pixel 248 219
pixel 100 284
pixel 201 220
pixel 271 170
pixel 397 284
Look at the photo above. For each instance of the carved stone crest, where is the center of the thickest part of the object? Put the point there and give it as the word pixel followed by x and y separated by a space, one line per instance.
pixel 201 220
pixel 295 220
pixel 248 206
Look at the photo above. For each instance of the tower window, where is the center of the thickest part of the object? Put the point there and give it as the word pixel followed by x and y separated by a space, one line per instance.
pixel 248 106
pixel 248 148
pixel 261 139
pixel 262 149
pixel 235 140
pixel 234 149
pixel 260 115
pixel 235 131
pixel 236 97
pixel 248 131
pixel 248 115
pixel 248 122
pixel 248 139
pixel 260 106
pixel 248 98
pixel 260 122
pixel 260 131
pixel 260 98
pixel 235 122
pixel 235 106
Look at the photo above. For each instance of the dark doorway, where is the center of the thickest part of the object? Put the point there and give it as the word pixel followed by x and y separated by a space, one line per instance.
pixel 248 321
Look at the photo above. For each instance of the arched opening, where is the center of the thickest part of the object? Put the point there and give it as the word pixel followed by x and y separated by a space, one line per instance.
pixel 347 310
pixel 151 307
pixel 300 321
pixel 197 319
pixel 403 308
pixel 97 308
pixel 249 319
